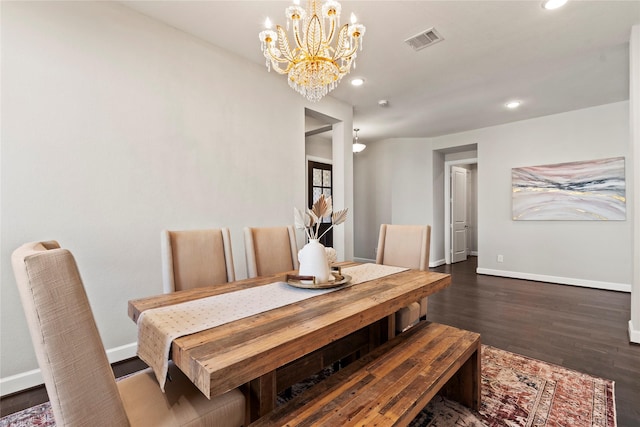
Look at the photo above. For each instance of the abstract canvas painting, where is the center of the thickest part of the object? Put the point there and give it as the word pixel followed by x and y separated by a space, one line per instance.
pixel 583 191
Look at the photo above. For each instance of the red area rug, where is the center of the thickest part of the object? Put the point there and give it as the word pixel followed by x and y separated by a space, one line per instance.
pixel 516 391
pixel 520 391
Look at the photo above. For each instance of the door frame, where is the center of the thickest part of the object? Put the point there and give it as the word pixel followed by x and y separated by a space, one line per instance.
pixel 447 202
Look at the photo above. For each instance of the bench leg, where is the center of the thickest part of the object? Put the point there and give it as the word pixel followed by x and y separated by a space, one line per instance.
pixel 464 386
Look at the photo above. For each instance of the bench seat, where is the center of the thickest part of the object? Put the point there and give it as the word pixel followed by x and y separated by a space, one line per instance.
pixel 393 383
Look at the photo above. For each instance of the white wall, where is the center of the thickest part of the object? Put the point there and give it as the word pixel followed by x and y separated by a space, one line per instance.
pixel 577 252
pixel 319 147
pixel 372 175
pixel 116 126
pixel 589 253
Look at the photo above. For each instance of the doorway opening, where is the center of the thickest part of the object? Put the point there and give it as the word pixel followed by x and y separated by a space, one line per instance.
pixel 461 209
pixel 319 164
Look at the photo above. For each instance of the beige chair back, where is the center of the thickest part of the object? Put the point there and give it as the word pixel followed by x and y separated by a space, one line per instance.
pixel 70 353
pixel 270 250
pixel 195 258
pixel 404 246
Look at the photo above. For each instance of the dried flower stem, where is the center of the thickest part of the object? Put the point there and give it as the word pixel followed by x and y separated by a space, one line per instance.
pixel 310 221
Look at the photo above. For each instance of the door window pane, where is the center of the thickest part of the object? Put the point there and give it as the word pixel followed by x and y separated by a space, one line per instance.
pixel 317 177
pixel 326 178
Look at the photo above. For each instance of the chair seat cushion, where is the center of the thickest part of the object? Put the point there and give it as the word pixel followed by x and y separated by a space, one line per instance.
pixel 181 405
pixel 407 316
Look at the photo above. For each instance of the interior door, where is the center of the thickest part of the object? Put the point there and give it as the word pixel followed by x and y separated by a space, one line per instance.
pixel 321 182
pixel 459 224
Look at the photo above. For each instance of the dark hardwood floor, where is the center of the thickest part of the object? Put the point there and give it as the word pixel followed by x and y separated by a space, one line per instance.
pixel 579 328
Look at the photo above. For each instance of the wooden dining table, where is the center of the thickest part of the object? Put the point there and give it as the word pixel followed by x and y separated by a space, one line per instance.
pixel 253 352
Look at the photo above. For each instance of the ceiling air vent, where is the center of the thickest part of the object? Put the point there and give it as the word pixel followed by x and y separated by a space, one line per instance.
pixel 424 39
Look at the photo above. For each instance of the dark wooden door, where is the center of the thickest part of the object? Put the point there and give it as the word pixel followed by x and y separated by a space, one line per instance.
pixel 321 182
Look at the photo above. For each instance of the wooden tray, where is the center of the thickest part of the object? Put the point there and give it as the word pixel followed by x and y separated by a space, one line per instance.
pixel 341 279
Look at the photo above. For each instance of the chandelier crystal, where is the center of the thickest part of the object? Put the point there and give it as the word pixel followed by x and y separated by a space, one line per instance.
pixel 314 63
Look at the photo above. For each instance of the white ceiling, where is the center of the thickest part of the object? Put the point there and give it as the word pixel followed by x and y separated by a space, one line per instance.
pixel 493 51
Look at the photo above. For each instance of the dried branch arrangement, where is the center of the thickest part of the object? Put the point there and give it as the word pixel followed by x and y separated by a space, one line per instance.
pixel 310 220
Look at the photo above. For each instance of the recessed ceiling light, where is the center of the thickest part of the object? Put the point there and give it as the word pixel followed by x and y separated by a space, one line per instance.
pixel 357 81
pixel 553 4
pixel 512 104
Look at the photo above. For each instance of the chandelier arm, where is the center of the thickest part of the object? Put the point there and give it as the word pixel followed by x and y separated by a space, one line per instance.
pixel 280 70
pixel 332 31
pixel 296 36
pixel 352 52
pixel 276 60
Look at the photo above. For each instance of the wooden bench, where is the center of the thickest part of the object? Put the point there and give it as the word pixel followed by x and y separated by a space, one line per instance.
pixel 393 383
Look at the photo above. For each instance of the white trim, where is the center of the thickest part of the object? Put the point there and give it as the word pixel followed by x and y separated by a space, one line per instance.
pixel 610 286
pixel 474 253
pixel 447 202
pixel 28 379
pixel 634 334
pixel 437 263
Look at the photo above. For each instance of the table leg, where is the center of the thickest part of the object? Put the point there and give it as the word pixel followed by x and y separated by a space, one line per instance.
pixel 262 395
pixel 391 324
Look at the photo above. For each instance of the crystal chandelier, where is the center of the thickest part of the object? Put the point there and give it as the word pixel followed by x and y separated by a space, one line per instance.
pixel 315 65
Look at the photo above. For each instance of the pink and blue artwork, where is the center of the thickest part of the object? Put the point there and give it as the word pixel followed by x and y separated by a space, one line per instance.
pixel 592 190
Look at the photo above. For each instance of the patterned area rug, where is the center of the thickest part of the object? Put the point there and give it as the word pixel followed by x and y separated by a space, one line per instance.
pixel 516 391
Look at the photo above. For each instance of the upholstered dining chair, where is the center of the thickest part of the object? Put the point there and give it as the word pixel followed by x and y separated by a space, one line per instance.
pixel 270 250
pixel 74 365
pixel 406 246
pixel 195 258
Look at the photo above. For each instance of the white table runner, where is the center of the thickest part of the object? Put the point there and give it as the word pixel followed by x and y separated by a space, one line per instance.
pixel 158 327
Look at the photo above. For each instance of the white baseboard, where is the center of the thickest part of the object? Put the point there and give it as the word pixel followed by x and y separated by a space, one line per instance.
pixel 610 286
pixel 123 352
pixel 21 381
pixel 634 334
pixel 473 253
pixel 25 380
pixel 437 263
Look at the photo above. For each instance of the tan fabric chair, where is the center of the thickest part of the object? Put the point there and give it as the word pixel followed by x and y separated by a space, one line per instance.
pixel 270 250
pixel 406 246
pixel 76 371
pixel 195 258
